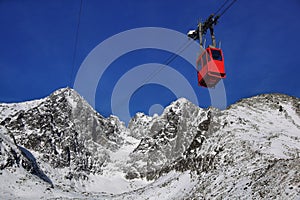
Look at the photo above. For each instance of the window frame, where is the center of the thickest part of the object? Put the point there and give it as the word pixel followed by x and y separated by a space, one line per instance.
pixel 219 58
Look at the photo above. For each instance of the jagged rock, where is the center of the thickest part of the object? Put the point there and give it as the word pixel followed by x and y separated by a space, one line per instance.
pixel 66 132
pixel 13 155
pixel 250 150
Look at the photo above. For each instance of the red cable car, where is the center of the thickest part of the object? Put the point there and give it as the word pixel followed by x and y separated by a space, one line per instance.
pixel 210 64
pixel 210 67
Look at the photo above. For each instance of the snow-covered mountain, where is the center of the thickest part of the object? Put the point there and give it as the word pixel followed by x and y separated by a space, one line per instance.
pixel 59 147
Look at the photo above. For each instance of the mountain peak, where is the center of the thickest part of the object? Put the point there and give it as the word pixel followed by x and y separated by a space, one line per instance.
pixel 66 91
pixel 251 148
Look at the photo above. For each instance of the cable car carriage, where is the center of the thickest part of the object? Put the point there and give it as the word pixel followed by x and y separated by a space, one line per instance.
pixel 210 63
pixel 210 67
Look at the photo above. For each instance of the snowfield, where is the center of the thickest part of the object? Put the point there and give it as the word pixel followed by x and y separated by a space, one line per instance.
pixel 60 148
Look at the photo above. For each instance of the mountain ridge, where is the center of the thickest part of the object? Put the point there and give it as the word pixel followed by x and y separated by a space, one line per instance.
pixel 214 153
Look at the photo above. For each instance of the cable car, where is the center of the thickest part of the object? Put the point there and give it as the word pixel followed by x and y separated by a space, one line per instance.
pixel 210 67
pixel 210 63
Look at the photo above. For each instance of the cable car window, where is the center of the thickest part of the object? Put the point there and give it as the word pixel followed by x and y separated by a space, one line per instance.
pixel 199 64
pixel 204 59
pixel 216 54
pixel 208 56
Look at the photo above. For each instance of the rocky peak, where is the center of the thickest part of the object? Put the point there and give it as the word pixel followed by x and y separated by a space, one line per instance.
pixel 215 154
pixel 164 138
pixel 66 131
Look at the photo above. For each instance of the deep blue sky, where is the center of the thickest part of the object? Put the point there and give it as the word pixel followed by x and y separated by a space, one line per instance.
pixel 260 40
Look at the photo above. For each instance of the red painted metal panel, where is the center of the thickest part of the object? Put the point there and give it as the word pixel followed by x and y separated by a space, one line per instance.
pixel 210 67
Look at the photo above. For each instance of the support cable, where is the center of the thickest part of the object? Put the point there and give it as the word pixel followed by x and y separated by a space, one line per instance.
pixel 76 42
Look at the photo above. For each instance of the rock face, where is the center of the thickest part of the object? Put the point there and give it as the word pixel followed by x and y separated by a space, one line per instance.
pixel 165 138
pixel 13 155
pixel 66 132
pixel 250 150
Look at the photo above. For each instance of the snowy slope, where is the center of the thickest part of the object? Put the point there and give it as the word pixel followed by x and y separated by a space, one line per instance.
pixel 60 147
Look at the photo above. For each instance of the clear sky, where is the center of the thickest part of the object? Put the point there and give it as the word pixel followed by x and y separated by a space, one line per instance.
pixel 260 40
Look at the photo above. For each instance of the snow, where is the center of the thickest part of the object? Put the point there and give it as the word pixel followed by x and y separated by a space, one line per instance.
pixel 122 154
pixel 112 184
pixel 113 180
pixel 173 185
pixel 71 101
pixel 9 109
pixel 250 150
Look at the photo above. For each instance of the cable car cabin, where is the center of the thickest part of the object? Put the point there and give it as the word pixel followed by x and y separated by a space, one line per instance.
pixel 210 67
